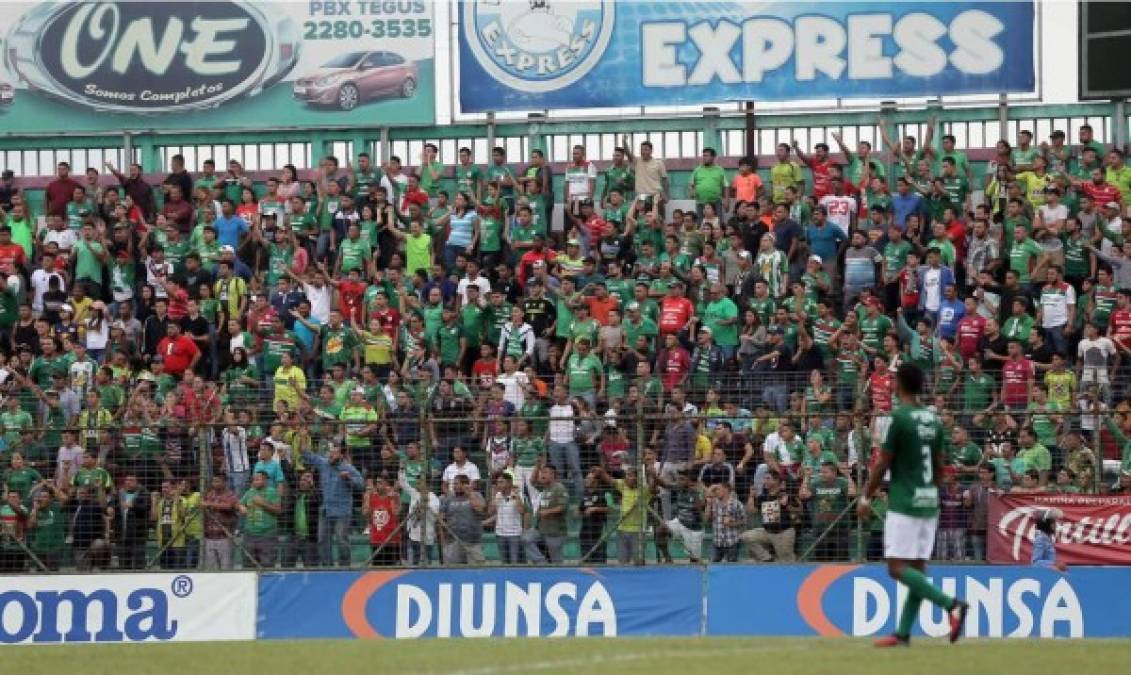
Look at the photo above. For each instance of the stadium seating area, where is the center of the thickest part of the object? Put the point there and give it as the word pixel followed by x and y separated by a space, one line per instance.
pixel 471 360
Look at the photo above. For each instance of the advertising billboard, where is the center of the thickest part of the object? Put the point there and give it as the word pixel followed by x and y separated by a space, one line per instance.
pixel 507 602
pixel 861 600
pixel 1091 529
pixel 127 608
pixel 541 54
pixel 94 66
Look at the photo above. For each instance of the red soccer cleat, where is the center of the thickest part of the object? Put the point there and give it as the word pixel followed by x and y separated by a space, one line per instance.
pixel 957 617
pixel 893 641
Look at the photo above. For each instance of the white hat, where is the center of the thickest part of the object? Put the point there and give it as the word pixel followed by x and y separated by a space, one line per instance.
pixel 816 258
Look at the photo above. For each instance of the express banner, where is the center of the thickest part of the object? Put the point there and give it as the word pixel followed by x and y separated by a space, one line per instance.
pixel 215 65
pixel 508 602
pixel 604 53
pixel 127 608
pixel 1092 530
pixel 862 600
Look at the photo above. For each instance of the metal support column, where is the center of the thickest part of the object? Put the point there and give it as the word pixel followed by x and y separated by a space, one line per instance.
pixel 1119 124
pixel 127 149
pixel 750 145
pixel 386 146
pixel 887 116
pixel 1003 115
pixel 711 137
pixel 535 139
pixel 361 144
pixel 490 131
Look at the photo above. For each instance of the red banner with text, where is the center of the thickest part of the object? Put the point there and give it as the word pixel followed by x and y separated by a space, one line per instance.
pixel 1091 529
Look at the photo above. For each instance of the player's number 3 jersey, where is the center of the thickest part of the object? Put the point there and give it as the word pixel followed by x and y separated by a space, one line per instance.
pixel 913 439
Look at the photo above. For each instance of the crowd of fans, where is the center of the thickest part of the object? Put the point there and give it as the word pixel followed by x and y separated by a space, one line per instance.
pixel 213 372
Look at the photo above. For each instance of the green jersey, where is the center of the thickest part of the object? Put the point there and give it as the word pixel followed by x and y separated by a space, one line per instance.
pixel 338 345
pixel 357 419
pixel 583 373
pixel 473 322
pixel 448 341
pixel 829 499
pixel 354 253
pixel 527 450
pixel 621 179
pixel 914 440
pixel 977 391
pixel 468 178
pixel 873 330
pixel 1021 256
pixel 260 522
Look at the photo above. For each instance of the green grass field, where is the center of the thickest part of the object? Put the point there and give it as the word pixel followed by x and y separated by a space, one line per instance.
pixel 715 656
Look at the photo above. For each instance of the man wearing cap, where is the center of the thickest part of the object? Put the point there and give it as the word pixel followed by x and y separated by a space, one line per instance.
pixel 639 328
pixel 571 262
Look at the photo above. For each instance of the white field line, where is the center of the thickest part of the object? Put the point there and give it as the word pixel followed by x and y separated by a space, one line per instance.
pixel 616 657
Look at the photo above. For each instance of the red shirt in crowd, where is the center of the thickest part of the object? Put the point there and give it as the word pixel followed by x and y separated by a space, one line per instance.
pixel 674 365
pixel 178 353
pixel 12 255
pixel 383 518
pixel 418 197
pixel 58 193
pixel 389 318
pixel 1120 323
pixel 674 314
pixel 820 176
pixel 180 214
pixel 351 294
pixel 1102 194
pixel 1017 376
pixel 178 304
pixel 971 328
pixel 880 384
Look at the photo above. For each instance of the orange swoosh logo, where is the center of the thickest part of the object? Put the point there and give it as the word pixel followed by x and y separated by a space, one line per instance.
pixel 357 597
pixel 812 592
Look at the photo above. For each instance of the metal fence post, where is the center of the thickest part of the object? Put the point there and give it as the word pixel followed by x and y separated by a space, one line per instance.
pixel 1119 123
pixel 1003 115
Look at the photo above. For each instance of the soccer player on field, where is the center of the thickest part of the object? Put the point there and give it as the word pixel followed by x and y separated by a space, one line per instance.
pixel 913 453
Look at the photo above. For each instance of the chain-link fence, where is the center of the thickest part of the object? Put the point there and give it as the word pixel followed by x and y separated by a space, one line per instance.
pixel 463 476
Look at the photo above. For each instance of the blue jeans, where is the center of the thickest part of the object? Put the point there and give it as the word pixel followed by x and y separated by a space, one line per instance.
pixel 322 248
pixel 510 549
pixel 448 255
pixel 237 480
pixel 554 546
pixel 568 456
pixel 776 396
pixel 334 530
pixel 1057 339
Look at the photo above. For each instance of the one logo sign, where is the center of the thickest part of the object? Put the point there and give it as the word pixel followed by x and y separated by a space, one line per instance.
pixel 538 45
pixel 151 57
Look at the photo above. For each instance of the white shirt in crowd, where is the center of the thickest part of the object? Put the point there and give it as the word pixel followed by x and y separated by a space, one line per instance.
pixel 514 385
pixel 562 428
pixel 40 284
pixel 466 469
pixel 480 281
pixel 319 301
pixel 508 518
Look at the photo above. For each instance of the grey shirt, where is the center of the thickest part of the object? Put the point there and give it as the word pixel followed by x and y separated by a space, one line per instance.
pixel 679 442
pixel 461 519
